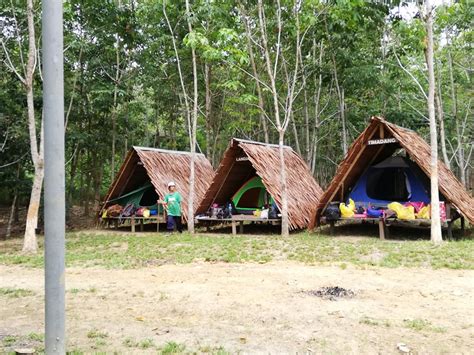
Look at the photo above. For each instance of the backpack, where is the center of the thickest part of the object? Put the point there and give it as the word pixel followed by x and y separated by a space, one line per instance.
pixel 114 211
pixel 332 212
pixel 128 210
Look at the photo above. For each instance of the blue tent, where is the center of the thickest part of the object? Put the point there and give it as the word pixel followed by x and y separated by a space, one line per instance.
pixel 394 179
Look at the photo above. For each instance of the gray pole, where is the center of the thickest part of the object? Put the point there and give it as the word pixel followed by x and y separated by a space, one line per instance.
pixel 54 200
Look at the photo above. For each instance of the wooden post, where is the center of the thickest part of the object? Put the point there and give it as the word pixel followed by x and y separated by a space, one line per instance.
pixel 241 227
pixel 141 224
pixel 382 228
pixel 157 222
pixel 234 227
pixel 450 230
pixel 132 222
pixel 463 225
pixel 332 229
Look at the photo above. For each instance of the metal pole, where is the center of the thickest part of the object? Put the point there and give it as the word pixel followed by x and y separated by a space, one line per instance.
pixel 54 199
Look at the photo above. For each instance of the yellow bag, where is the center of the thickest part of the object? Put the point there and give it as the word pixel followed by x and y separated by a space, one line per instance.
pixel 146 213
pixel 402 211
pixel 347 211
pixel 104 214
pixel 424 212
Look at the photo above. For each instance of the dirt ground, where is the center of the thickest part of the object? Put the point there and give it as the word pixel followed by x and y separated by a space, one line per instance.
pixel 252 308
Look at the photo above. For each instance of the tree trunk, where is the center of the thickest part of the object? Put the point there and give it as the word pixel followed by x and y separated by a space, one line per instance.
pixel 317 98
pixel 14 208
pixel 285 229
pixel 30 244
pixel 435 216
pixel 442 133
pixel 295 132
pixel 263 120
pixel 207 74
pixel 459 138
pixel 192 130
pixel 10 219
pixel 342 106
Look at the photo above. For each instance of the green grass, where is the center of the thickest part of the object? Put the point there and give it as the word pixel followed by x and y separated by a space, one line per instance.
pixel 95 333
pixel 15 292
pixel 127 251
pixel 172 348
pixel 422 325
pixel 31 340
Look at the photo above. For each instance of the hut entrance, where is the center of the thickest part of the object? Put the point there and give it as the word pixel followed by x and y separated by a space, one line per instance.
pixel 394 179
pixel 251 196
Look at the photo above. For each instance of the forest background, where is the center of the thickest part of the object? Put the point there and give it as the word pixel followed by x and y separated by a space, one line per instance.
pixel 334 64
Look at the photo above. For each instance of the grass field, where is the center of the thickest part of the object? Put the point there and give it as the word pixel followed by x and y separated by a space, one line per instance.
pixel 114 250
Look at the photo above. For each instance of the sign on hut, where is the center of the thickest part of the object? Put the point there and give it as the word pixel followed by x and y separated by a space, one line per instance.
pixel 385 179
pixel 143 180
pixel 247 188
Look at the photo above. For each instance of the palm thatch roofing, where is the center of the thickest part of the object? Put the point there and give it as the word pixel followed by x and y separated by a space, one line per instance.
pixel 362 154
pixel 244 159
pixel 160 166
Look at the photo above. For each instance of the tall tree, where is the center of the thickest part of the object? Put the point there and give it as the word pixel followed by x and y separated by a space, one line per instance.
pixel 436 236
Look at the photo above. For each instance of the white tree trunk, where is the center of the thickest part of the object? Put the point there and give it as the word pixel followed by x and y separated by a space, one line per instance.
pixel 30 244
pixel 285 229
pixel 436 236
pixel 192 133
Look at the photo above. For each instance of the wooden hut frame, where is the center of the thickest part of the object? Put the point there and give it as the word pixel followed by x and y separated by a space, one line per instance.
pixel 244 159
pixel 379 141
pixel 159 166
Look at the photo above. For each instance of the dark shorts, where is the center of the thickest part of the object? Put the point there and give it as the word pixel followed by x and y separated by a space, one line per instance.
pixel 173 221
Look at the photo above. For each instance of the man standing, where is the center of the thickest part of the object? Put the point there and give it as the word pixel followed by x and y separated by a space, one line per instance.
pixel 172 203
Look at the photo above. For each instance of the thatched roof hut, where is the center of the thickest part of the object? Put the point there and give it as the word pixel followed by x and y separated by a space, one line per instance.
pixel 370 148
pixel 245 159
pixel 160 166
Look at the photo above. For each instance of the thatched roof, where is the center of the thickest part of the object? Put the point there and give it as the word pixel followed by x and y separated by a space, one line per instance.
pixel 361 155
pixel 244 159
pixel 160 166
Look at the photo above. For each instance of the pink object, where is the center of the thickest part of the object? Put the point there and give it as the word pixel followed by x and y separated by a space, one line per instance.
pixel 416 205
pixel 442 211
pixel 215 205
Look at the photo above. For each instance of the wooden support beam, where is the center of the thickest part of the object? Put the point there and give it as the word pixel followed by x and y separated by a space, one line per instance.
pixel 332 229
pixel 241 227
pixel 382 229
pixel 234 227
pixel 132 223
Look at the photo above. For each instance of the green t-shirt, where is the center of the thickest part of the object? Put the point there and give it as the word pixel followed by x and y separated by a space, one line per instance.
pixel 174 203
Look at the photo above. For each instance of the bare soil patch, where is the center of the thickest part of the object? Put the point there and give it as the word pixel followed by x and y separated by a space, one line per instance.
pixel 249 308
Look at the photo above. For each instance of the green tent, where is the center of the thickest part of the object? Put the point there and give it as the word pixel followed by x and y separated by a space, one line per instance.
pixel 144 196
pixel 251 196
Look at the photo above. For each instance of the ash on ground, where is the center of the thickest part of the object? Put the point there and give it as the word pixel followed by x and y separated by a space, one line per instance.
pixel 331 293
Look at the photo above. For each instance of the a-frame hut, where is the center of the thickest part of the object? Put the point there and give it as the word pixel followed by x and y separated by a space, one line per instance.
pixel 145 173
pixel 391 163
pixel 249 176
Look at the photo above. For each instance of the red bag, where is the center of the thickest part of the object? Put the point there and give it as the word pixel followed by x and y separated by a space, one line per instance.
pixel 139 212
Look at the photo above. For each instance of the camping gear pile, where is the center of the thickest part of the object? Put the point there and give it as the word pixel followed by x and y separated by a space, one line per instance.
pixel 118 211
pixel 406 211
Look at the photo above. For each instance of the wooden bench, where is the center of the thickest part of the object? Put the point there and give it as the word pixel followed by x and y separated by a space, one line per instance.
pixel 236 219
pixel 384 223
pixel 134 220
